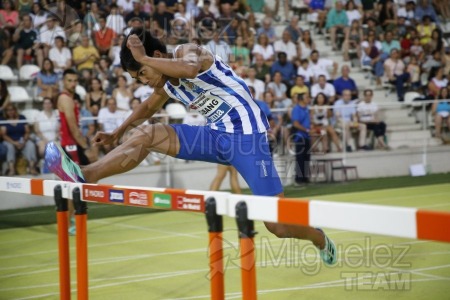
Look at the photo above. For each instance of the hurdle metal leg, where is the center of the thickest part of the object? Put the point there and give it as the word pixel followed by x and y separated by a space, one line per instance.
pixel 215 229
pixel 62 216
pixel 81 244
pixel 246 234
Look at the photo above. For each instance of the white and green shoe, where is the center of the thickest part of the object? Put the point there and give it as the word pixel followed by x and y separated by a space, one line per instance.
pixel 328 253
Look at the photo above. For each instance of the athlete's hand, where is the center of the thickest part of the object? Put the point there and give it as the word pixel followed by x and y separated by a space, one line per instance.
pixel 103 138
pixel 136 47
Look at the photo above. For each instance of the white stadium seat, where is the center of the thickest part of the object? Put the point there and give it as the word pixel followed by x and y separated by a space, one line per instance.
pixel 19 94
pixel 30 114
pixel 6 73
pixel 28 72
pixel 81 91
pixel 176 110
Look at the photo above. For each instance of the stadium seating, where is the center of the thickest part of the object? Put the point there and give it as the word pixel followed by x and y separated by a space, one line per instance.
pixel 7 74
pixel 19 94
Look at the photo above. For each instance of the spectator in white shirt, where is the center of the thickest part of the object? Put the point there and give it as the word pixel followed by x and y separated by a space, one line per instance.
pixel 347 119
pixel 306 72
pixel 320 66
pixel 368 114
pixel 38 16
pixel 109 119
pixel 115 20
pixel 257 84
pixel 352 12
pixel 264 48
pixel 126 6
pixel 46 126
pixel 286 45
pixel 60 56
pixel 47 35
pixel 218 47
pixel 322 86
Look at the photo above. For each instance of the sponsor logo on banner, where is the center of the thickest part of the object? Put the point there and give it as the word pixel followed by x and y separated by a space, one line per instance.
pixel 95 193
pixel 139 198
pixel 116 196
pixel 162 200
pixel 189 202
pixel 13 186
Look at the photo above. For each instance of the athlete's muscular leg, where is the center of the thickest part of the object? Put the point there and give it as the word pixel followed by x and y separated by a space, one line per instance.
pixel 157 137
pixel 296 231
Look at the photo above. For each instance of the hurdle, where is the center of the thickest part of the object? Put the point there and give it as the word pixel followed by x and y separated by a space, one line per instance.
pixel 397 221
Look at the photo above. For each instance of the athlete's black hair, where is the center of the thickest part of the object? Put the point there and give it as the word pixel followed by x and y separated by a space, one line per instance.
pixel 151 44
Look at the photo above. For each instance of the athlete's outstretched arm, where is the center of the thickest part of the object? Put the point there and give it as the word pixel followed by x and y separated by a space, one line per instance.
pixel 144 111
pixel 189 59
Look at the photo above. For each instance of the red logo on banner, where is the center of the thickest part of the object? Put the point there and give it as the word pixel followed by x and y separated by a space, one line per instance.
pixel 189 202
pixel 138 198
pixel 95 193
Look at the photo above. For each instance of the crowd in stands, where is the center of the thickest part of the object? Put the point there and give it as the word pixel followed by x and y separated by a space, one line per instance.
pixel 399 41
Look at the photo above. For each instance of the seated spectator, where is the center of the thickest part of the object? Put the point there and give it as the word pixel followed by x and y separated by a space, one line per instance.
pixel 247 33
pixel 46 125
pixel 436 43
pixel 413 69
pixel 345 83
pixel 372 55
pixel 305 45
pixel 416 49
pixel 299 88
pixel 352 12
pixel 306 72
pixel 434 61
pixel 389 43
pixel 137 12
pixel 407 42
pixel 206 21
pixel 321 125
pixel 84 57
pixel 347 119
pixel 279 91
pixel 425 29
pixel 9 17
pixel 24 39
pixel 320 66
pixel 424 9
pixel 441 112
pixel 264 48
pixel 261 68
pixel 106 74
pixel 257 84
pixel 96 97
pixel 294 29
pixel 91 19
pixel 230 32
pixel 442 7
pixel 38 16
pixel 436 82
pixel 408 12
pixel 239 51
pixel 372 25
pixel 219 47
pixel 285 67
pixel 267 30
pixel 395 71
pixel 5 97
pixel 163 16
pixel 109 119
pixel 16 138
pixel 388 16
pixel 368 114
pixel 103 36
pixel 353 39
pixel 47 35
pixel 88 129
pixel 322 86
pixel 122 94
pixel 115 20
pixel 136 23
pixel 60 56
pixel 337 22
pixel 47 81
pixel 286 45
pixel 317 13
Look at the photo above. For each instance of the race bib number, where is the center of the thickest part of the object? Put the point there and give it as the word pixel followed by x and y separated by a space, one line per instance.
pixel 212 107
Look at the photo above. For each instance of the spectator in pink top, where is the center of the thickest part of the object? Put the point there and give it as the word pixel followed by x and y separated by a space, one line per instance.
pixel 9 18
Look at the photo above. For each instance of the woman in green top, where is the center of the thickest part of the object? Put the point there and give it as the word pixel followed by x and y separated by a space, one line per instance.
pixel 239 52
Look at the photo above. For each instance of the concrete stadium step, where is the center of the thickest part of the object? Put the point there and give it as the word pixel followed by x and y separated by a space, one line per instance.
pixel 416 143
pixel 402 127
pixel 409 135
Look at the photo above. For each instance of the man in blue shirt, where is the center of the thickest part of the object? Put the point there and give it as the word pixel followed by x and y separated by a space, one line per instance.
pixel 345 83
pixel 285 67
pixel 300 128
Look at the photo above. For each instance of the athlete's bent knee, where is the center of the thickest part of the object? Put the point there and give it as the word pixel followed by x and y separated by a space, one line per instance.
pixel 279 230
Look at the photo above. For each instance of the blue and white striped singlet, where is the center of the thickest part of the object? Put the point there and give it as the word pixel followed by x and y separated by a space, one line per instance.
pixel 223 98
